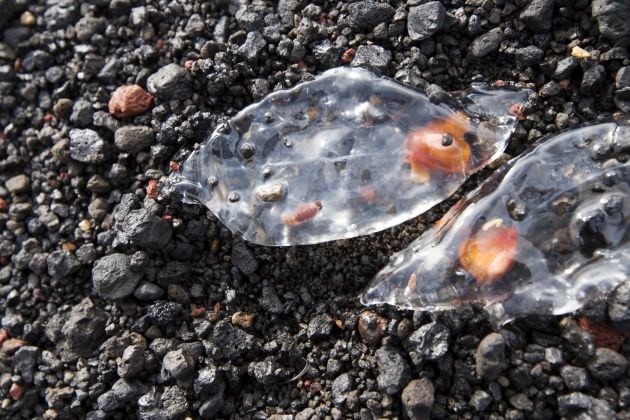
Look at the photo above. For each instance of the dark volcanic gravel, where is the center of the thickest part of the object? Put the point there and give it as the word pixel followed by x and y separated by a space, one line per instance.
pixel 117 304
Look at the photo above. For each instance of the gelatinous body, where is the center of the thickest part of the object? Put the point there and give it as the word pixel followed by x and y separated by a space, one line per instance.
pixel 343 155
pixel 542 236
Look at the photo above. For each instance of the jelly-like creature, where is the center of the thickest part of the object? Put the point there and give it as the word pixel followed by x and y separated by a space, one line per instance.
pixel 543 235
pixel 346 154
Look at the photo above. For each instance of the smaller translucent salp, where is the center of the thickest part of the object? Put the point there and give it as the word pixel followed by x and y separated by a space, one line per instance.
pixel 544 235
pixel 346 154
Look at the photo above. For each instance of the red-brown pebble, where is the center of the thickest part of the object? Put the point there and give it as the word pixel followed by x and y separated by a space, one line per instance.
pixel 16 392
pixel 129 101
pixel 152 188
pixel 11 345
pixel 348 55
pixel 3 336
pixel 604 335
pixel 370 326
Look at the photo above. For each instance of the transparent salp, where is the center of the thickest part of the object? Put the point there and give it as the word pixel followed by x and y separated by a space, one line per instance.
pixel 346 154
pixel 544 235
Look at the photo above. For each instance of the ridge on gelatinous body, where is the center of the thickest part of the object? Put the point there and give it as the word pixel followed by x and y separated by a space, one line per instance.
pixel 346 154
pixel 545 234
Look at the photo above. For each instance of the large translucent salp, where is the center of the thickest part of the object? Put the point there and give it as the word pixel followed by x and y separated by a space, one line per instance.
pixel 542 236
pixel 346 154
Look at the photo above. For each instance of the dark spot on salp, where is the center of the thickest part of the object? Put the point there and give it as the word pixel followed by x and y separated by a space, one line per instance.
pixel 516 209
pixel 269 145
pixel 590 231
pixel 601 151
pixel 247 150
pixel 340 165
pixel 447 140
pixel 233 197
pixel 611 178
pixel 562 205
pixel 598 187
pixel 366 175
pixel 268 117
pixel 267 172
pixel 613 205
pixel 213 181
pixel 224 128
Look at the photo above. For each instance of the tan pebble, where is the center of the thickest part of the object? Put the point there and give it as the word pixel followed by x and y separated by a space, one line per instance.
pixel 579 52
pixel 6 403
pixel 85 225
pixel 11 345
pixel 16 392
pixel 129 101
pixel 3 336
pixel 27 19
pixel 68 246
pixel 242 319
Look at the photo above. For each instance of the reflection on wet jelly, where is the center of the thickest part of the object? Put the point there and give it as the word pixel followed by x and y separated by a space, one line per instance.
pixel 544 235
pixel 346 154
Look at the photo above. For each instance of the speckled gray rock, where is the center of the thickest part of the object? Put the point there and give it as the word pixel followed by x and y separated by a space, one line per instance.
pixel 82 332
pixel 480 400
pixel 179 365
pixel 253 46
pixel 243 258
pixel 417 399
pixel 18 184
pixel 367 14
pixel 373 57
pixel 86 146
pixel 319 327
pixel 428 343
pixel 565 67
pixel 393 370
pixel 25 361
pixel 146 230
pixel 164 313
pixel 607 365
pixel 486 43
pixel 170 82
pixel 133 139
pixel 593 79
pixel 425 20
pixel 113 278
pixel 82 113
pixel 528 56
pixel 619 307
pixel 575 378
pixel 263 371
pixel 163 405
pixel 132 362
pixel 340 387
pixel 62 263
pixel 579 405
pixel 537 15
pixel 612 18
pixel 490 357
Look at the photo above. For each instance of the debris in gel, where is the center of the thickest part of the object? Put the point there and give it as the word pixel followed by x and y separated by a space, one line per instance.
pixel 346 154
pixel 542 236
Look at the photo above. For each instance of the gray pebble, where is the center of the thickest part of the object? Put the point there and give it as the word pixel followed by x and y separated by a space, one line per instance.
pixel 486 43
pixel 367 14
pixel 393 370
pixel 82 332
pixel 113 278
pixel 607 365
pixel 319 327
pixel 179 365
pixel 565 68
pixel 619 304
pixel 62 263
pixel 164 313
pixel 168 403
pixel 574 378
pixel 425 20
pixel 253 47
pixel 417 399
pixel 25 361
pixel 132 362
pixel 372 56
pixel 428 343
pixel 490 357
pixel 170 82
pixel 480 400
pixel 612 18
pixel 133 139
pixel 244 259
pixel 340 387
pixel 593 79
pixel 86 146
pixel 263 371
pixel 82 113
pixel 529 56
pixel 146 230
pixel 537 15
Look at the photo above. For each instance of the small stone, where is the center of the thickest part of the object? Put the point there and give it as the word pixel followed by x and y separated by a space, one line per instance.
pixel 86 146
pixel 25 361
pixel 417 399
pixel 129 101
pixel 171 403
pixel 521 402
pixel 612 18
pixel 170 82
pixel 83 331
pixel 195 25
pixel 565 68
pixel 372 56
pixel 393 370
pixel 61 264
pixel 549 89
pixel 537 15
pixel 370 326
pixel 148 292
pixel 179 365
pixel 16 391
pixel 428 343
pixel 133 139
pixel 593 79
pixel 480 400
pixel 243 258
pixel 113 278
pixel 211 407
pixel 619 304
pixel 577 341
pixel 19 184
pixel 27 19
pixel 82 113
pixel 486 43
pixel 132 362
pixel 607 365
pixel 319 327
pixel 570 405
pixel 270 301
pixel 490 357
pixel 164 312
pixel 253 46
pixel 425 20
pixel 529 56
pixel 243 320
pixel 574 378
pixel 579 52
pixel 146 230
pixel 367 14
pixel 263 371
pixel 340 387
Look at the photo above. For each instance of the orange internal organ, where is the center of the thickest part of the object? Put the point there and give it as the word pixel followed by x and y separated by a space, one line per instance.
pixel 489 253
pixel 430 148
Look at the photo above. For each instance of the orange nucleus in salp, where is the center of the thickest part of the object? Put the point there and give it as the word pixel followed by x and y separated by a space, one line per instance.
pixel 489 253
pixel 302 213
pixel 440 145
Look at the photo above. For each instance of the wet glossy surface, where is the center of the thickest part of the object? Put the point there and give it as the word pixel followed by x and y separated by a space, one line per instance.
pixel 344 155
pixel 542 236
